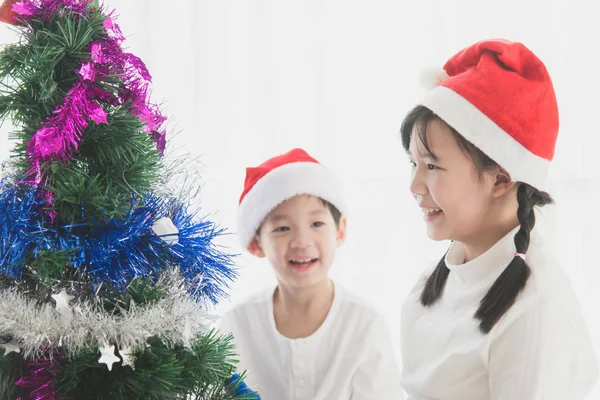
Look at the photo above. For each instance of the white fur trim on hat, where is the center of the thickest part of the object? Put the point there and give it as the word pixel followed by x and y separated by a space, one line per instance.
pixel 479 129
pixel 281 184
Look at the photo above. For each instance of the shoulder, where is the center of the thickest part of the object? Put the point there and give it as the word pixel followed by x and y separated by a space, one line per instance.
pixel 549 296
pixel 362 326
pixel 253 308
pixel 256 300
pixel 357 310
pixel 549 286
pixel 353 300
pixel 430 269
pixel 412 300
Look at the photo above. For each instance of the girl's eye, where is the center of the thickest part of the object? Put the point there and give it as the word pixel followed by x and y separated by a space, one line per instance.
pixel 412 163
pixel 431 167
pixel 318 224
pixel 281 229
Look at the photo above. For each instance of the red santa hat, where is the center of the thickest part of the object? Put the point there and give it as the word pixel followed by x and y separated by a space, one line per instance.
pixel 499 96
pixel 277 180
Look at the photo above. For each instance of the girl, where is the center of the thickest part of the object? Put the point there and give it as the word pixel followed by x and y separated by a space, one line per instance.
pixel 496 318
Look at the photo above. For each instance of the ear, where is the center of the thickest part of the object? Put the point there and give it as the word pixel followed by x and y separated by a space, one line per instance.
pixel 502 184
pixel 255 249
pixel 341 231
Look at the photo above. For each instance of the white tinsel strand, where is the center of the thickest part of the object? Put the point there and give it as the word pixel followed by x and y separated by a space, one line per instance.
pixel 37 327
pixel 181 175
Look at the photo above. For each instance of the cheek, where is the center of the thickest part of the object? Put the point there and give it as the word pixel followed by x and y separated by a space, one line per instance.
pixel 444 191
pixel 329 241
pixel 473 206
pixel 458 196
pixel 274 248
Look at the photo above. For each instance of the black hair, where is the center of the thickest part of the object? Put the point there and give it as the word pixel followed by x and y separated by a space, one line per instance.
pixel 335 213
pixel 504 291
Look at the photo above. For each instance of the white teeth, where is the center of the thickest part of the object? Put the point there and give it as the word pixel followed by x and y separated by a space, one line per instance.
pixel 303 261
pixel 429 211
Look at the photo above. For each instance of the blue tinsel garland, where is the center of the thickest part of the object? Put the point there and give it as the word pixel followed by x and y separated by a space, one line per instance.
pixel 118 250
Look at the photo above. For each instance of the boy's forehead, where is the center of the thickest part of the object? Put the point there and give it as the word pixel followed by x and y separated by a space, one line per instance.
pixel 304 203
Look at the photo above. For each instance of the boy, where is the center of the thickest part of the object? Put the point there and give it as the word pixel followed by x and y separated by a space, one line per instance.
pixel 307 339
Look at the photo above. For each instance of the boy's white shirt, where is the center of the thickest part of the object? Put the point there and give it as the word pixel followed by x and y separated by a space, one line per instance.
pixel 539 350
pixel 350 356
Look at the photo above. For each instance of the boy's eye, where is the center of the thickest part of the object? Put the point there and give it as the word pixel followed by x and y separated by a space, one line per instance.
pixel 412 163
pixel 318 224
pixel 281 229
pixel 431 167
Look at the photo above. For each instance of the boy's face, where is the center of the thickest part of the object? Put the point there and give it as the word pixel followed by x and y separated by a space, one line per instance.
pixel 299 238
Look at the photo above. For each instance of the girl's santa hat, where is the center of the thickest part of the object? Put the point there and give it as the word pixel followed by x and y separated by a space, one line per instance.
pixel 498 95
pixel 279 179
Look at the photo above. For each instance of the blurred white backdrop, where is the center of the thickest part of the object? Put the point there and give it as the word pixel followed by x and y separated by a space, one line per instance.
pixel 245 80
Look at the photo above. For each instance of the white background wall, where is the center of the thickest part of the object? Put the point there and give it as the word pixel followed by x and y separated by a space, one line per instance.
pixel 245 80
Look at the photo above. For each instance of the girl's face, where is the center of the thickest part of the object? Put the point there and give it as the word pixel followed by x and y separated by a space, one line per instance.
pixel 457 202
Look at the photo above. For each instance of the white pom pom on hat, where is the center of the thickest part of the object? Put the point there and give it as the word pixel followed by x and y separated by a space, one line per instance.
pixel 432 77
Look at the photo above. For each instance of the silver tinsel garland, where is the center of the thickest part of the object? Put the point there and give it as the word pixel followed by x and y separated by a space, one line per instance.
pixel 176 319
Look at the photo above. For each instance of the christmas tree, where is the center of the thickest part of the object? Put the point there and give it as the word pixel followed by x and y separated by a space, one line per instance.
pixel 107 278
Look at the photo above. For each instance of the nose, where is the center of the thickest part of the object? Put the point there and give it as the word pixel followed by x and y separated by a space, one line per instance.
pixel 302 239
pixel 417 186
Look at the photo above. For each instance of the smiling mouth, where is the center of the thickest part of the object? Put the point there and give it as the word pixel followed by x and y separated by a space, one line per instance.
pixel 431 211
pixel 303 262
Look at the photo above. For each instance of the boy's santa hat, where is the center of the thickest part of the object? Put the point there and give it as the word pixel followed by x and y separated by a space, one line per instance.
pixel 277 180
pixel 498 95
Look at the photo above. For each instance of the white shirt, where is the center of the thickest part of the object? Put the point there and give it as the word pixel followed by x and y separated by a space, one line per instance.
pixel 539 350
pixel 350 356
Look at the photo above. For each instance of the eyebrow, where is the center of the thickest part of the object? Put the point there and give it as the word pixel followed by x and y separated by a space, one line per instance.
pixel 278 217
pixel 427 154
pixel 283 217
pixel 318 211
pixel 431 156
